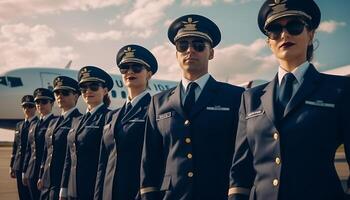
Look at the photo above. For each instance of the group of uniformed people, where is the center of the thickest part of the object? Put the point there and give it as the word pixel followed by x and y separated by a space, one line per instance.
pixel 201 140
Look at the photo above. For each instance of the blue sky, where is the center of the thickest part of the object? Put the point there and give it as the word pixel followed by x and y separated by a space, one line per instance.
pixel 90 32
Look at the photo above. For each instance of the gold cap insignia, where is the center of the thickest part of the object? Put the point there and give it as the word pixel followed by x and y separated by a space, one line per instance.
pixel 190 25
pixel 39 93
pixel 85 73
pixel 27 99
pixel 279 6
pixel 59 82
pixel 129 53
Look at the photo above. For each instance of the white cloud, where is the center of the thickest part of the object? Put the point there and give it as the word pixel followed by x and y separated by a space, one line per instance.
pixel 23 45
pixel 93 36
pixel 330 26
pixel 198 2
pixel 16 8
pixel 236 64
pixel 146 13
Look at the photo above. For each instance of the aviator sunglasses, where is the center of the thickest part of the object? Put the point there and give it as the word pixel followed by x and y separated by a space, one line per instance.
pixel 92 86
pixel 197 45
pixel 294 27
pixel 42 101
pixel 28 106
pixel 135 67
pixel 62 92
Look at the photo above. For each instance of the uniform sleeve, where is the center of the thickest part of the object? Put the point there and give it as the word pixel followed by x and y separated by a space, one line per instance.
pixel 66 168
pixel 28 153
pixel 101 171
pixel 345 130
pixel 43 160
pixel 14 147
pixel 152 163
pixel 242 173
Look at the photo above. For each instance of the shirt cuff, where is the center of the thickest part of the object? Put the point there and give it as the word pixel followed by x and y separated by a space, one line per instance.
pixel 63 192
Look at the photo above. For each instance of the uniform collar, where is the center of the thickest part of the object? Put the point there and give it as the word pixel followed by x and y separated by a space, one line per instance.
pixel 298 72
pixel 45 117
pixel 92 111
pixel 30 119
pixel 68 112
pixel 136 99
pixel 200 81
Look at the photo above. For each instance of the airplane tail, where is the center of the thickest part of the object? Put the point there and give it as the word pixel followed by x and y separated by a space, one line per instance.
pixel 68 65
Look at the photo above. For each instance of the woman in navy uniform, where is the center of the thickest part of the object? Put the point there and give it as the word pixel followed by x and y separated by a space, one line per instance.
pixel 20 144
pixel 190 129
pixel 44 100
pixel 84 137
pixel 121 147
pixel 290 128
pixel 66 91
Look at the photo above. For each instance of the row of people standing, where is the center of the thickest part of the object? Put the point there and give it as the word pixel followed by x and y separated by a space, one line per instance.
pixel 189 132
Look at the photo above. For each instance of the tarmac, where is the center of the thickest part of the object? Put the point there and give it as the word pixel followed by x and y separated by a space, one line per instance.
pixel 8 189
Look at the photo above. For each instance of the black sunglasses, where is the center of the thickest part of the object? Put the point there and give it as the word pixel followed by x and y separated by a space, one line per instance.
pixel 62 92
pixel 197 45
pixel 136 68
pixel 42 101
pixel 26 106
pixel 92 86
pixel 294 27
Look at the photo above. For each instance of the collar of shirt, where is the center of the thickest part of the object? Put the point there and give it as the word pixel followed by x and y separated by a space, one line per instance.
pixel 68 112
pixel 45 117
pixel 136 99
pixel 298 72
pixel 30 119
pixel 92 111
pixel 201 83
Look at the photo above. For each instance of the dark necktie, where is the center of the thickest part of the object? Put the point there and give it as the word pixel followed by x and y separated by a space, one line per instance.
pixel 26 124
pixel 286 90
pixel 128 108
pixel 60 120
pixel 40 122
pixel 85 117
pixel 191 97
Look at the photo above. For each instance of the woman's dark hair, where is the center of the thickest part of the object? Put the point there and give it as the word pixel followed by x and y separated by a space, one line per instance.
pixel 107 100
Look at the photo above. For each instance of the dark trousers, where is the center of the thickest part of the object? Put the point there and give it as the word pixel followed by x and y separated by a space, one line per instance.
pixel 33 189
pixel 51 193
pixel 23 192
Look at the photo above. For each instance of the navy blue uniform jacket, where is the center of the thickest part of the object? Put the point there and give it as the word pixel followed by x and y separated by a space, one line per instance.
pixel 121 148
pixel 19 145
pixel 35 148
pixel 55 150
pixel 292 158
pixel 188 157
pixel 83 147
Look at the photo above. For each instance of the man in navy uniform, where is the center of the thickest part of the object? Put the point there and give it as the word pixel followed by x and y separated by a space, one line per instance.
pixel 66 91
pixel 190 129
pixel 20 144
pixel 290 128
pixel 44 100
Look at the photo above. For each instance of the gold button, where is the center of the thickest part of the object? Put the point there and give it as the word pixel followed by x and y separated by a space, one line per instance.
pixel 188 140
pixel 187 122
pixel 278 160
pixel 190 174
pixel 275 136
pixel 34 157
pixel 50 155
pixel 189 156
pixel 275 182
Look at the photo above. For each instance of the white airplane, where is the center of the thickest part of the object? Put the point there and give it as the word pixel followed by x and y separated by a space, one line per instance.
pixel 16 83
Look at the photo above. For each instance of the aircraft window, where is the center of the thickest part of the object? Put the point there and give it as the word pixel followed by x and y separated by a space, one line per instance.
pixel 3 80
pixel 15 81
pixel 114 93
pixel 123 94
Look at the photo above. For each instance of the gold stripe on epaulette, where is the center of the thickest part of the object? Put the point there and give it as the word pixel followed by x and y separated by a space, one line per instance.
pixel 238 190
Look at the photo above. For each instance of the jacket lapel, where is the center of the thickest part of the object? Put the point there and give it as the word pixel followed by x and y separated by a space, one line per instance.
pixel 175 100
pixel 208 93
pixel 311 79
pixel 144 101
pixel 91 118
pixel 268 99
